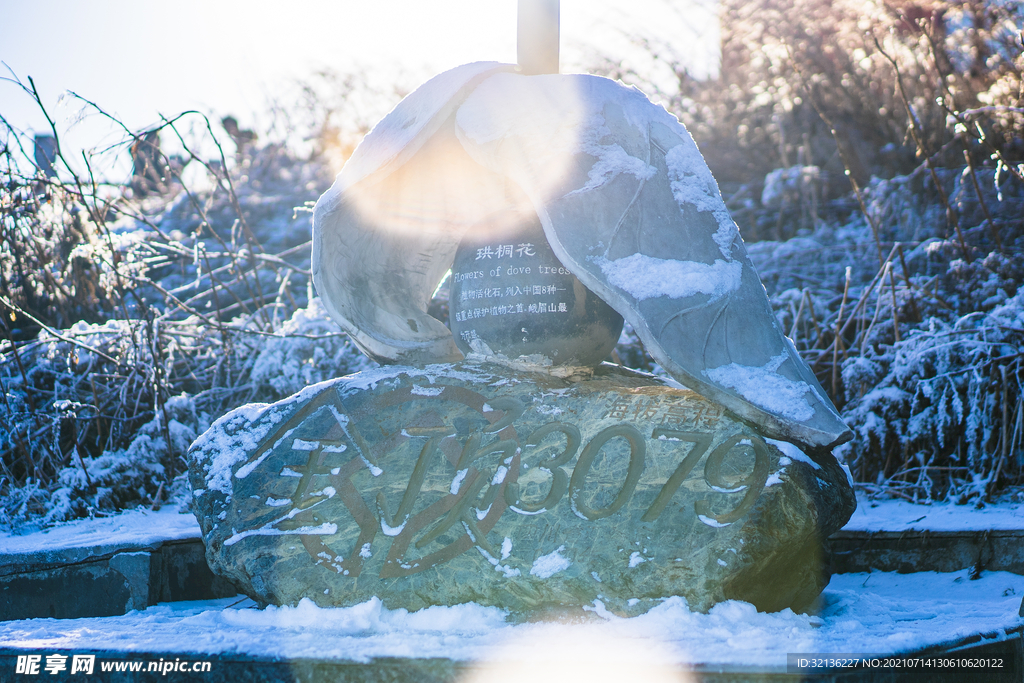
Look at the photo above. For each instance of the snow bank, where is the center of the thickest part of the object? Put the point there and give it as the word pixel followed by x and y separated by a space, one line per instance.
pixel 878 613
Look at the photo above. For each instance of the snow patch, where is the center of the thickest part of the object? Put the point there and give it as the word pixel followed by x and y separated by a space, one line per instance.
pixel 612 160
pixel 230 439
pixel 369 379
pixel 793 453
pixel 900 515
pixel 646 277
pixel 138 527
pixel 519 511
pixel 457 481
pixel 764 387
pixel 325 529
pixel 507 571
pixel 693 185
pixel 711 522
pixel 548 565
pixel 391 530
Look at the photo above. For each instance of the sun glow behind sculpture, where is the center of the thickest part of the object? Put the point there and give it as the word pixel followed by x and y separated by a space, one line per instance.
pixel 404 193
pixel 419 201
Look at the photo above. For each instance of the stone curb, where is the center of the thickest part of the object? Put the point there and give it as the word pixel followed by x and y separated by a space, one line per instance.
pixel 927 551
pixel 106 581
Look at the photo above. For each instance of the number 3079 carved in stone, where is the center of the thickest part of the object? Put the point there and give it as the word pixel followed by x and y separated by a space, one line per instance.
pixel 482 474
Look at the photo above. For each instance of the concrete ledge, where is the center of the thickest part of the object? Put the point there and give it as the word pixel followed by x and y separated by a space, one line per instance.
pixel 106 581
pixel 927 551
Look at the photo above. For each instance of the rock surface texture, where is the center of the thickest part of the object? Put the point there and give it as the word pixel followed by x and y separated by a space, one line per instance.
pixel 471 482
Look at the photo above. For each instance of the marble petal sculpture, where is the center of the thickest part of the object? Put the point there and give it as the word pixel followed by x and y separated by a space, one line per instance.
pixel 626 202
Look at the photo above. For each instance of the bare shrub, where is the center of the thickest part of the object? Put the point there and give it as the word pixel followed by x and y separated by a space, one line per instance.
pixel 130 322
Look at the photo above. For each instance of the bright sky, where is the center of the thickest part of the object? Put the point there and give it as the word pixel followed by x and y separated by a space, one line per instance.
pixel 139 59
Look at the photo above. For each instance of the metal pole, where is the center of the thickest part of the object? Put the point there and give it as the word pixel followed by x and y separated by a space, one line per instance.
pixel 538 36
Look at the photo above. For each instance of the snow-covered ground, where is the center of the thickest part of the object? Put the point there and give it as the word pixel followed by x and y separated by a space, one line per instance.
pixel 860 613
pixel 139 527
pixel 899 515
pixel 871 613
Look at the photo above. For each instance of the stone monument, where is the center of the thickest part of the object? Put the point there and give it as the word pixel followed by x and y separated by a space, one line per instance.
pixel 500 461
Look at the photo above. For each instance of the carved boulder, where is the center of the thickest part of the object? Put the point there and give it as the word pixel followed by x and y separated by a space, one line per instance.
pixel 472 482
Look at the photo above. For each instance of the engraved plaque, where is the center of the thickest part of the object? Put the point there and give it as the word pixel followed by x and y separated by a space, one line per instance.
pixel 511 297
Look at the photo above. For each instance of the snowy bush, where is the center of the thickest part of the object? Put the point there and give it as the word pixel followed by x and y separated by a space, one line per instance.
pixel 102 416
pixel 871 156
pixel 919 347
pixel 309 349
pixel 939 412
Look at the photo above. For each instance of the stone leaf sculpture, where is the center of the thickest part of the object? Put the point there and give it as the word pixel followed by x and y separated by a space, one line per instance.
pixel 543 496
pixel 626 202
